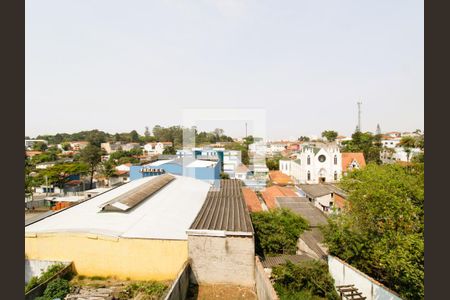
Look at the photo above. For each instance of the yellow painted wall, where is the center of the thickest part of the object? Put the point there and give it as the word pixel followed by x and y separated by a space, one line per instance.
pixel 92 255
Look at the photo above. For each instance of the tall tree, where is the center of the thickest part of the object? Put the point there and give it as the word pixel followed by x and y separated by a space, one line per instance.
pixel 381 232
pixel 330 135
pixel 134 136
pixel 92 156
pixel 303 139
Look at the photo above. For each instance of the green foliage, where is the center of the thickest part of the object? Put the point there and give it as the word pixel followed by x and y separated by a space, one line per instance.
pixel 170 151
pixel 382 232
pixel 92 156
pixel 303 139
pixel 57 288
pixel 51 271
pixel 277 231
pixel 40 146
pixel 305 280
pixel 151 289
pixel 245 159
pixel 273 163
pixel 59 173
pixel 330 135
pixel 367 143
pixel 224 175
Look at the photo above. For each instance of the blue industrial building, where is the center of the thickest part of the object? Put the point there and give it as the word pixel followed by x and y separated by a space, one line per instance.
pixel 208 170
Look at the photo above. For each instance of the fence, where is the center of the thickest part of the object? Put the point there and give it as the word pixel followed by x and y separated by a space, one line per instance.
pixel 179 288
pixel 344 274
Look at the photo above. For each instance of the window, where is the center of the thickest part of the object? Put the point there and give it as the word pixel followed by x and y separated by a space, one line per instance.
pixel 309 160
pixel 322 158
pixel 335 159
pixel 309 175
pixel 335 175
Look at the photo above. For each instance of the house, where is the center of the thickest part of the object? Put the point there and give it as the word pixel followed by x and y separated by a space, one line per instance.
pixel 111 147
pixel 124 167
pixel 323 196
pixel 32 153
pixel 314 164
pixel 251 199
pixel 352 160
pixel 398 154
pixel 390 142
pixel 393 134
pixel 119 177
pixel 78 145
pixel 277 177
pixel 241 172
pixel 139 229
pixel 30 143
pixel 276 147
pixel 270 194
pixel 130 146
pixel 156 148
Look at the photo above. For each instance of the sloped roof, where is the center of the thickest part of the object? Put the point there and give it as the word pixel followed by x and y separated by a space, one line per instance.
pixel 304 208
pixel 348 157
pixel 271 193
pixel 278 177
pixel 224 210
pixel 315 190
pixel 251 199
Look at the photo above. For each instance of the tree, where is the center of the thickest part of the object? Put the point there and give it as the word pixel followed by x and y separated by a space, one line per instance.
pixel 96 137
pixel 59 174
pixel 146 132
pixel 273 163
pixel 40 146
pixel 303 139
pixel 134 136
pixel 367 143
pixel 169 151
pixel 224 175
pixel 277 231
pixel 92 156
pixel 304 280
pixel 330 135
pixel 107 169
pixel 382 232
pixel 408 143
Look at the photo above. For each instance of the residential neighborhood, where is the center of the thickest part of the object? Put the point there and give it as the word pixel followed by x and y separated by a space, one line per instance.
pixel 214 194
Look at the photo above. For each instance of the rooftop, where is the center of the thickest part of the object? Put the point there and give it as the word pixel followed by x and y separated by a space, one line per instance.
pixel 278 177
pixel 304 208
pixel 164 215
pixel 224 210
pixel 316 190
pixel 271 193
pixel 349 157
pixel 272 261
pixel 251 199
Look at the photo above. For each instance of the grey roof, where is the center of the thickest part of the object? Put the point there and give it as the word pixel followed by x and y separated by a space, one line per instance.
pixel 304 208
pixel 224 209
pixel 337 190
pixel 312 238
pixel 272 261
pixel 316 190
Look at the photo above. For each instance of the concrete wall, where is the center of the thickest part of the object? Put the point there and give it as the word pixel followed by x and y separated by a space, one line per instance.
pixel 264 288
pixel 179 288
pixel 92 255
pixel 222 260
pixel 35 267
pixel 344 274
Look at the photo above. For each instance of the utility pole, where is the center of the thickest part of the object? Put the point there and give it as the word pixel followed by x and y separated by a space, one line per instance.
pixel 245 129
pixel 359 116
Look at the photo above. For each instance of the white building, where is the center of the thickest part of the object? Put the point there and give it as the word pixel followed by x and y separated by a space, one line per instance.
pixel 30 143
pixel 314 165
pixel 398 154
pixel 390 143
pixel 154 148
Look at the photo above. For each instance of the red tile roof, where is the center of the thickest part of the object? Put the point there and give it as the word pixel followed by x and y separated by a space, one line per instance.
pixel 251 199
pixel 32 153
pixel 119 173
pixel 269 194
pixel 279 178
pixel 348 157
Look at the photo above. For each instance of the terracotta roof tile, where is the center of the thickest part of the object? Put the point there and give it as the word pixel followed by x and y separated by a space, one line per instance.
pixel 269 194
pixel 278 177
pixel 251 199
pixel 348 157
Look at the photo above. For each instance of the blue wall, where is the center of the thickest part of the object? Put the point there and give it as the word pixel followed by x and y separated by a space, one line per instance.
pixel 176 169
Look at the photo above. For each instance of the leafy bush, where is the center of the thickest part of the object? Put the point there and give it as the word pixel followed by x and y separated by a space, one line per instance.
pixel 306 280
pixel 57 288
pixel 151 289
pixel 50 272
pixel 381 233
pixel 277 231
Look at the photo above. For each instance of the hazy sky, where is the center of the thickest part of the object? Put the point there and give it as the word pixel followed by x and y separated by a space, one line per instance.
pixel 123 65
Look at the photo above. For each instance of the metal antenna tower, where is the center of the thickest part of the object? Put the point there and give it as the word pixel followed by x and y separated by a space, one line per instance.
pixel 359 116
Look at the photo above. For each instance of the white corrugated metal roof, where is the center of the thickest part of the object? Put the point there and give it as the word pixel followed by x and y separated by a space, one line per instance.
pixel 201 164
pixel 165 215
pixel 159 162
